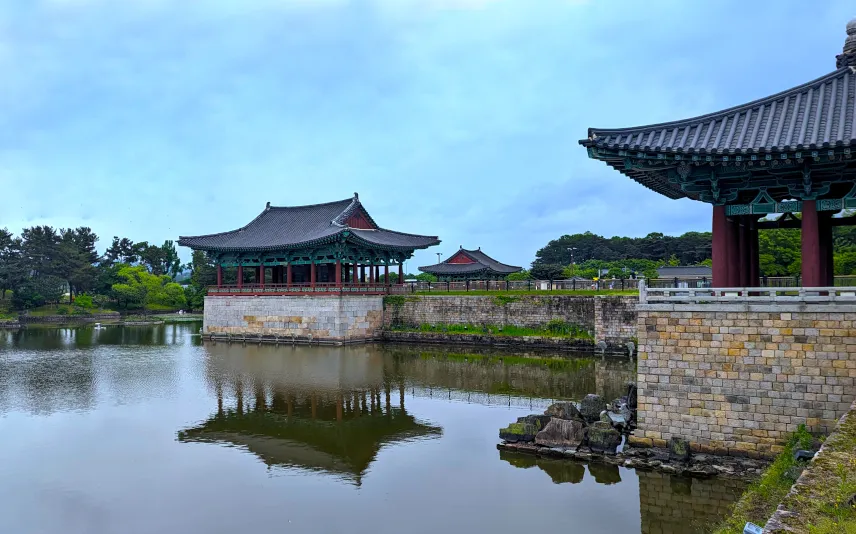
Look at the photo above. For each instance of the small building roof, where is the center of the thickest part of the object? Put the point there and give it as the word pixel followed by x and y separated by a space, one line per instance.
pixel 294 226
pixel 685 271
pixel 469 262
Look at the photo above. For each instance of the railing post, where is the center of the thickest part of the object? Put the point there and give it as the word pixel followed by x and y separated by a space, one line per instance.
pixel 643 292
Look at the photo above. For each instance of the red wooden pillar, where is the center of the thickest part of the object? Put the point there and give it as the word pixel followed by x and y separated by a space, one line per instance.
pixel 732 237
pixel 312 274
pixel 386 274
pixel 371 273
pixel 240 276
pixel 826 248
pixel 813 273
pixel 401 273
pixel 338 273
pixel 742 252
pixel 260 275
pixel 754 265
pixel 720 247
pixel 219 275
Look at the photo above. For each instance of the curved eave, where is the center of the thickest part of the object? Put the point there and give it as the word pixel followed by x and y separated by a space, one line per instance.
pixel 332 238
pixel 430 241
pixel 820 114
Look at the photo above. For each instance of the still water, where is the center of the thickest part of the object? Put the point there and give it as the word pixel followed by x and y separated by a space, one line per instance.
pixel 147 429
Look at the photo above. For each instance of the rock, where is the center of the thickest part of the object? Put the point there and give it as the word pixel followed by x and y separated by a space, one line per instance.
pixel 538 421
pixel 603 438
pixel 679 449
pixel 604 474
pixel 631 395
pixel 591 407
pixel 561 433
pixel 516 432
pixel 803 455
pixel 563 410
pixel 614 419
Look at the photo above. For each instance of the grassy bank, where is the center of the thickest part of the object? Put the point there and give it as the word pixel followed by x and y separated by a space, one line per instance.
pixel 439 291
pixel 551 329
pixel 552 363
pixel 764 495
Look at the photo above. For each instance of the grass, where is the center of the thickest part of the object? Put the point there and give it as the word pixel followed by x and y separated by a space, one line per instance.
pixel 63 309
pixel 763 496
pixel 554 364
pixel 551 329
pixel 439 291
pixel 6 311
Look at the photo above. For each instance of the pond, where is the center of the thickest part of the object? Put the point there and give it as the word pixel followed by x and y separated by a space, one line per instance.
pixel 148 429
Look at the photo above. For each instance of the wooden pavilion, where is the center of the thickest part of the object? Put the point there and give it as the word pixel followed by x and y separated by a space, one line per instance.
pixel 787 153
pixel 470 265
pixel 320 248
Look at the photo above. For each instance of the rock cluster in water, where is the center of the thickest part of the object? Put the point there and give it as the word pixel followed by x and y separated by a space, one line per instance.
pixel 565 425
pixel 593 430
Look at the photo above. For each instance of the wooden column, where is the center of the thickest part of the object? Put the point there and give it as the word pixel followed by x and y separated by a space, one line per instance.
pixel 826 248
pixel 401 273
pixel 386 274
pixel 742 252
pixel 720 247
pixel 338 273
pixel 813 274
pixel 312 274
pixel 754 264
pixel 732 236
pixel 260 274
pixel 219 275
pixel 288 276
pixel 240 276
pixel 371 273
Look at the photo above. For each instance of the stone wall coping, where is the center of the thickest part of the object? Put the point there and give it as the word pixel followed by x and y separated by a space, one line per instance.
pixel 768 308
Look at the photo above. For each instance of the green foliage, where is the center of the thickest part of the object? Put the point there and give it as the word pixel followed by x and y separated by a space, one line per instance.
pixel 502 300
pixel 519 276
pixel 422 277
pixel 34 292
pixel 139 288
pixel 689 248
pixel 762 497
pixel 84 301
pixel 547 271
pixel 195 296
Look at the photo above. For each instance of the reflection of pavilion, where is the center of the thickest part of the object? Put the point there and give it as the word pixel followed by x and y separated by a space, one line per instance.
pixel 336 431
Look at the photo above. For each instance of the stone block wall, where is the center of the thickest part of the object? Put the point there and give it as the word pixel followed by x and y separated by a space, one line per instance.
pixel 612 319
pixel 671 504
pixel 338 319
pixel 739 379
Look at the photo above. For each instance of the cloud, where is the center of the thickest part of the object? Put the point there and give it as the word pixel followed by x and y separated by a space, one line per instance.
pixel 154 118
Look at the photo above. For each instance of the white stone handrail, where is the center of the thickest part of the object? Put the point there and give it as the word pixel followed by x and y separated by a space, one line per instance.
pixel 760 295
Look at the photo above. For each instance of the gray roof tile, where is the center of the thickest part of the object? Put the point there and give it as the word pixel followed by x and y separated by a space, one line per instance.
pixel 818 114
pixel 290 227
pixel 483 262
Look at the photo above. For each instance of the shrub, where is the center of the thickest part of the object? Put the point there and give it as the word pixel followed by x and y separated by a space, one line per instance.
pixel 84 301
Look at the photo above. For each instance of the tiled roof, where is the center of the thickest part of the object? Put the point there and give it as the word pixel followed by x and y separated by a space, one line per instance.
pixel 290 227
pixel 483 262
pixel 818 114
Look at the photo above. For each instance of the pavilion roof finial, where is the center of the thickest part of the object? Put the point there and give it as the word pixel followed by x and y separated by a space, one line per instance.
pixel 848 56
pixel 356 195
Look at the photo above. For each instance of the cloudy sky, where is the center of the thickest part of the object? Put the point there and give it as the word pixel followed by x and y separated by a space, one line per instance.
pixel 157 118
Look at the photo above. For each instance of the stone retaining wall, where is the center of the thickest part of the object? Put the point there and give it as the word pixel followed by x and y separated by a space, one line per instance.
pixel 735 380
pixel 521 342
pixel 337 319
pixel 610 319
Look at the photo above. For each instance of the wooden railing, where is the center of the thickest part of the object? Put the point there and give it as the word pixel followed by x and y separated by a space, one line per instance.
pixel 747 295
pixel 319 289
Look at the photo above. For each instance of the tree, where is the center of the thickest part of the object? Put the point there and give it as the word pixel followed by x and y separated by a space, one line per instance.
pixel 76 259
pixel 120 251
pixel 170 259
pixel 548 271
pixel 12 271
pixel 140 288
pixel 519 276
pixel 34 292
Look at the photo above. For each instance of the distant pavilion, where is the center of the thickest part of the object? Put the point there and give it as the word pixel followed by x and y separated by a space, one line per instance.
pixel 786 153
pixel 470 265
pixel 320 248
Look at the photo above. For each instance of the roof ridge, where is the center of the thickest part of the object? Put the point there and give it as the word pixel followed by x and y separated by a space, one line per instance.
pixel 726 111
pixel 393 232
pixel 310 205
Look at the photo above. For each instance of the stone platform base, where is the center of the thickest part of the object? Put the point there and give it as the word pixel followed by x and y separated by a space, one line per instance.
pixel 286 319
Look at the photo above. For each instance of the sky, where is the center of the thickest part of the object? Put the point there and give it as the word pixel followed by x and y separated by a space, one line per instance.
pixel 151 119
